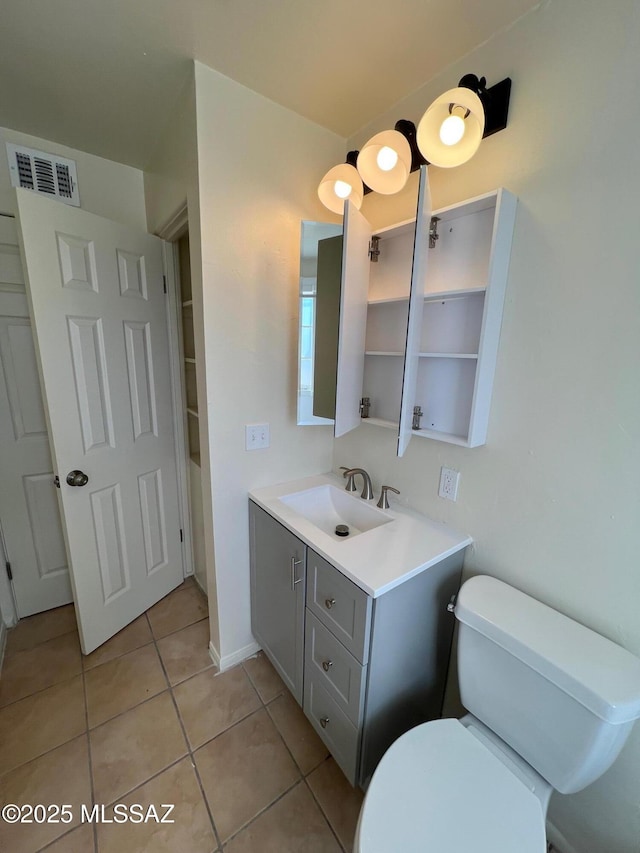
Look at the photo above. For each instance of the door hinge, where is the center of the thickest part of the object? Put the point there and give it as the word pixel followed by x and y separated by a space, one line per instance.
pixel 164 283
pixel 181 539
pixel 9 572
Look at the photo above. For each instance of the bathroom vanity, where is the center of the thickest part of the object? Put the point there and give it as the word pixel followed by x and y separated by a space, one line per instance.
pixel 356 626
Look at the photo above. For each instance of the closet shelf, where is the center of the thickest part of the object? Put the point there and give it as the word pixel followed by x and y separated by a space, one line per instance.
pixel 193 412
pixel 383 352
pixel 187 303
pixel 190 360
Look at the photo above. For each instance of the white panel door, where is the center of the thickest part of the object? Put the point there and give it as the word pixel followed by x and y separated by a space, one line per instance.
pixel 100 323
pixel 353 319
pixel 416 307
pixel 29 514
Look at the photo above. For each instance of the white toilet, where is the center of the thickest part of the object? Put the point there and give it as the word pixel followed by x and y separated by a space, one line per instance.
pixel 551 705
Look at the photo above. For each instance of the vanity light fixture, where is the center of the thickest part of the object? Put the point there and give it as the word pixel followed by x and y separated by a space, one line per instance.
pixel 339 184
pixel 449 134
pixel 384 163
pixel 451 130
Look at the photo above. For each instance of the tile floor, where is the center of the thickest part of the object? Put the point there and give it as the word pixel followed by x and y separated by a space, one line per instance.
pixel 148 719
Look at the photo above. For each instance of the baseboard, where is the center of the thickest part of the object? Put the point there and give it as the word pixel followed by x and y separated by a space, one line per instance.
pixel 558 841
pixel 3 642
pixel 226 662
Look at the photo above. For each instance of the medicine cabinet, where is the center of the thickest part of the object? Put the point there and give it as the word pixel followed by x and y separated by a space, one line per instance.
pixel 420 316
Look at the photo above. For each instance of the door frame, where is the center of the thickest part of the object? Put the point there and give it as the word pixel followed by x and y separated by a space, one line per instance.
pixel 169 234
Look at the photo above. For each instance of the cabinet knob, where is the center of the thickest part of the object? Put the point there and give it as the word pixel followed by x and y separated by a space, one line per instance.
pixel 329 602
pixel 327 664
pixel 324 722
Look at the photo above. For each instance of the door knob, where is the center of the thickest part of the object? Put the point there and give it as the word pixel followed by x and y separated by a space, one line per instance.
pixel 329 602
pixel 77 478
pixel 327 664
pixel 324 722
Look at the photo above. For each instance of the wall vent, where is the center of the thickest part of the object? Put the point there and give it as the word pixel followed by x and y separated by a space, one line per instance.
pixel 45 174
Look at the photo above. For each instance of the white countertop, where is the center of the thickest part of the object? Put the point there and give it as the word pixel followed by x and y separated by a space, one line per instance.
pixel 377 560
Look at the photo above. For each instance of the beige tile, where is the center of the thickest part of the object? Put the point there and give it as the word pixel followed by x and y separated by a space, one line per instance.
pixel 51 662
pixel 129 749
pixel 244 770
pixel 123 683
pixel 191 831
pixel 186 652
pixel 59 777
pixel 41 722
pixel 297 732
pixel 38 629
pixel 132 637
pixel 79 840
pixel 182 607
pixel 209 703
pixel 294 824
pixel 264 677
pixel 339 801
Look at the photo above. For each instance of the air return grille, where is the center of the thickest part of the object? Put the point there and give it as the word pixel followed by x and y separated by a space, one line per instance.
pixel 45 174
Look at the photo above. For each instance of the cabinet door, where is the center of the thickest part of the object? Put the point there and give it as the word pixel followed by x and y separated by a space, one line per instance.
pixel 353 319
pixel 416 303
pixel 277 596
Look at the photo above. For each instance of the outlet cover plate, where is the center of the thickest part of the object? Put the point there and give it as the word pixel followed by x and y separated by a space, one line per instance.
pixel 449 481
pixel 256 436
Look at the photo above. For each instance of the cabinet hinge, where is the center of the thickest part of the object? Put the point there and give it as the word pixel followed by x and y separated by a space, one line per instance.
pixel 374 249
pixel 181 539
pixel 164 283
pixel 9 572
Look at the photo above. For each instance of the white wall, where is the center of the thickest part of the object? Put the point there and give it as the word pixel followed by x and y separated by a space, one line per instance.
pixel 259 165
pixel 553 500
pixel 108 189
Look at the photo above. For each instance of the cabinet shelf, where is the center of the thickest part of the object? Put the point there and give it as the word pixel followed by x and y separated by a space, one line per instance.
pixel 443 295
pixel 447 354
pixel 187 303
pixel 190 360
pixel 384 352
pixel 450 438
pixel 381 422
pixel 193 413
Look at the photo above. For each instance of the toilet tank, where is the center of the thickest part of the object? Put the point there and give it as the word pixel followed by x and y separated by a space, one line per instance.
pixel 564 697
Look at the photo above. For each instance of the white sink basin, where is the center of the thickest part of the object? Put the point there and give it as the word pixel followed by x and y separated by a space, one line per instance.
pixel 326 507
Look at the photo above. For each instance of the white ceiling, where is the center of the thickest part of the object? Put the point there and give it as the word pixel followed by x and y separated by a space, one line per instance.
pixel 103 75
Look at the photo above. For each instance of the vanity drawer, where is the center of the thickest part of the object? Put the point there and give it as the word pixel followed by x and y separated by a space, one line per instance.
pixel 339 604
pixel 339 672
pixel 340 736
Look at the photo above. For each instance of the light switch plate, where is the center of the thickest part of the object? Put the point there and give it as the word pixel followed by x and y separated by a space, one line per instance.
pixel 449 480
pixel 256 436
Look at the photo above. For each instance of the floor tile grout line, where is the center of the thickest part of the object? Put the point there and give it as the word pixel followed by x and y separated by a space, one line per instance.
pixel 262 811
pixel 42 689
pixel 9 653
pixel 322 811
pixel 189 750
pixel 93 793
pixel 304 776
pixel 93 800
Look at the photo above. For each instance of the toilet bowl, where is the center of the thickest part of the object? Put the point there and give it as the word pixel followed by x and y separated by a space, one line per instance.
pixel 551 705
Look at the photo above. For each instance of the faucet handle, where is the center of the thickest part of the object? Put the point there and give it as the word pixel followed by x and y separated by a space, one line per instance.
pixel 383 503
pixel 351 483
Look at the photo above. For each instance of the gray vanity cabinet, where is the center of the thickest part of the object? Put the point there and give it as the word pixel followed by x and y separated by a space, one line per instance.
pixel 278 577
pixel 373 667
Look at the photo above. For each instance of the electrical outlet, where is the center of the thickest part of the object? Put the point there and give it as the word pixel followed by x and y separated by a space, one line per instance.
pixel 449 480
pixel 256 436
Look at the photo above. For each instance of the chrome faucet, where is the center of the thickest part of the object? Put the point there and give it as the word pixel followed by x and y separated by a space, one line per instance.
pixel 367 489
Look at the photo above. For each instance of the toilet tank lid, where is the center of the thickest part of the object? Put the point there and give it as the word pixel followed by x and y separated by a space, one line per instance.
pixel 596 672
